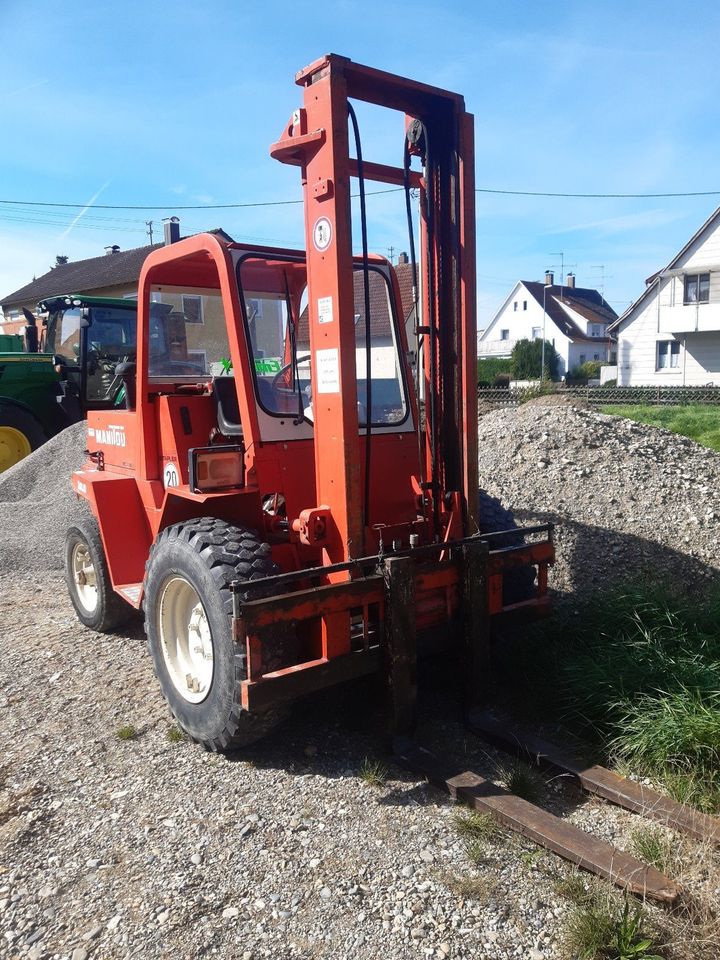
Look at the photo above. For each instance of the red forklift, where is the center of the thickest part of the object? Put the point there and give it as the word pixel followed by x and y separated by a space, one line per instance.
pixel 292 516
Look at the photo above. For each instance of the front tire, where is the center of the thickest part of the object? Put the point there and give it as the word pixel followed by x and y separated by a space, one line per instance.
pixel 88 579
pixel 188 622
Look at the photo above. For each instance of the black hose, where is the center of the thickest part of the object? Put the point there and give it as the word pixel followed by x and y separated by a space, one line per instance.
pixel 368 332
pixel 416 308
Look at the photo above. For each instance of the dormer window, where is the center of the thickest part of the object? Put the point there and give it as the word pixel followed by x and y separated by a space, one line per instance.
pixel 697 288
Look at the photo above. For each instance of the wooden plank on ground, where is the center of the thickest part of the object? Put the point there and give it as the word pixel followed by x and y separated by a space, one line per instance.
pixel 542 827
pixel 598 780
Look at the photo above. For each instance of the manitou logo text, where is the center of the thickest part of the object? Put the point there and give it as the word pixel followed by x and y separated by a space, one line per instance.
pixel 112 437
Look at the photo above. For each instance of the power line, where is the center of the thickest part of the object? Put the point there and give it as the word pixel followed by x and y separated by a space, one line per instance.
pixel 601 196
pixel 284 203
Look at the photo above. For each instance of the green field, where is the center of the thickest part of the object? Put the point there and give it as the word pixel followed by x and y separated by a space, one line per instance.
pixel 700 423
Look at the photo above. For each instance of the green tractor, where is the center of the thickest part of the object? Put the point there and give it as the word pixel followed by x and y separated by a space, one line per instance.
pixel 64 370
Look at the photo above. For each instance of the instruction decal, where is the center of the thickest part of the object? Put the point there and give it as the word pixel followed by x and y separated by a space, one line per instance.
pixel 322 234
pixel 327 368
pixel 325 310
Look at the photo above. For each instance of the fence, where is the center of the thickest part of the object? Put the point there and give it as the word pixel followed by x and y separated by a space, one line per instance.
pixel 602 396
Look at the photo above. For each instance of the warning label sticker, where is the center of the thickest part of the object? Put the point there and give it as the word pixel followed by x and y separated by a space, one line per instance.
pixel 325 310
pixel 327 367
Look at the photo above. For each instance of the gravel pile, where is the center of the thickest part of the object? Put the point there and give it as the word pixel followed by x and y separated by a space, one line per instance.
pixel 37 503
pixel 629 498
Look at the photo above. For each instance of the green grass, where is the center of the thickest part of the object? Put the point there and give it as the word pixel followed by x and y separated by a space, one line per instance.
pixel 521 780
pixel 176 735
pixel 602 926
pixel 126 732
pixel 654 846
pixel 373 772
pixel 700 423
pixel 636 675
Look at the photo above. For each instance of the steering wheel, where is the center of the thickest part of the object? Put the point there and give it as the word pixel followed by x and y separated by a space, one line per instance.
pixel 274 383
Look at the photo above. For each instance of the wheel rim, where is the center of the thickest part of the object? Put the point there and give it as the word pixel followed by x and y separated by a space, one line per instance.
pixel 14 446
pixel 185 639
pixel 84 578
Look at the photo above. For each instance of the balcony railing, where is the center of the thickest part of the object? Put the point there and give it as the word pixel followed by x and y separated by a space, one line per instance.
pixel 495 348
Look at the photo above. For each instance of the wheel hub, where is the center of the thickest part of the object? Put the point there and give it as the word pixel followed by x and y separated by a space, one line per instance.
pixel 84 579
pixel 185 639
pixel 14 446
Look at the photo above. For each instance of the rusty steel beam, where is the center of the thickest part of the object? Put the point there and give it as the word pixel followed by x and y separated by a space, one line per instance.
pixel 538 825
pixel 598 780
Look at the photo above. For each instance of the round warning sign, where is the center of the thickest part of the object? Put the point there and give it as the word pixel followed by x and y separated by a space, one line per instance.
pixel 170 475
pixel 322 234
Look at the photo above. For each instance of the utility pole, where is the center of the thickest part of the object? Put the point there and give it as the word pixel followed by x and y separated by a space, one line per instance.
pixel 391 254
pixel 148 224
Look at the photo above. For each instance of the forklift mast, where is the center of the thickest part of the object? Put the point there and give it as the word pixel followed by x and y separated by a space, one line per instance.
pixel 440 132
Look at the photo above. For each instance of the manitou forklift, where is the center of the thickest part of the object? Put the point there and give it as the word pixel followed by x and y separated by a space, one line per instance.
pixel 289 520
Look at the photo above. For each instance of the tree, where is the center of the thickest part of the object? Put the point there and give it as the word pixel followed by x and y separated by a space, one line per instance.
pixel 526 360
pixel 60 260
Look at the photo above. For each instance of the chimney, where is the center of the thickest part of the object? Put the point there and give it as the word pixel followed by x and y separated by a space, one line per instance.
pixel 171 226
pixel 570 281
pixel 111 250
pixel 403 258
pixel 549 278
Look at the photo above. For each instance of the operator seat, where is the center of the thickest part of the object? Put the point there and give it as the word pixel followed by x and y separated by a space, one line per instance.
pixel 226 403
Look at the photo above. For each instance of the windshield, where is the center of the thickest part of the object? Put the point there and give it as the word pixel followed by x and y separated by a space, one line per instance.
pixel 188 335
pixel 276 317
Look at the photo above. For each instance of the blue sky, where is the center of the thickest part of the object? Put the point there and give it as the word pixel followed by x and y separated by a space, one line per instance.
pixel 170 104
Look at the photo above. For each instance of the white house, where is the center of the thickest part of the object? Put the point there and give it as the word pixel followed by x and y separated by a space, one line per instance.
pixel 671 334
pixel 574 319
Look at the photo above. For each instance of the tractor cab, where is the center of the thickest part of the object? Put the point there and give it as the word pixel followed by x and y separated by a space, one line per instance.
pixel 87 338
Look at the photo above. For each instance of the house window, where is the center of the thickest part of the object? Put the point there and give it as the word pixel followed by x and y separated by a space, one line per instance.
pixel 596 356
pixel 536 331
pixel 668 354
pixel 697 288
pixel 515 305
pixel 582 358
pixel 504 334
pixel 524 304
pixel 200 358
pixel 192 308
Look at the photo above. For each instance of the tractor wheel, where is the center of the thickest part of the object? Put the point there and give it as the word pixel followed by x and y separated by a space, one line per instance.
pixel 20 434
pixel 493 517
pixel 188 621
pixel 88 581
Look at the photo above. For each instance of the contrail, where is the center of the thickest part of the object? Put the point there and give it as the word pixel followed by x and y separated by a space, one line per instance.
pixel 28 86
pixel 85 209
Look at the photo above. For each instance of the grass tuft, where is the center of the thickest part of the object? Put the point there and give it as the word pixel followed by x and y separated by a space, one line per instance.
pixel 522 780
pixel 476 826
pixel 126 732
pixel 176 735
pixel 654 846
pixel 603 928
pixel 373 772
pixel 470 888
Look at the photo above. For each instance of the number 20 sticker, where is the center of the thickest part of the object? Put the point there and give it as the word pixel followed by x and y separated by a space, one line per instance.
pixel 170 475
pixel 322 234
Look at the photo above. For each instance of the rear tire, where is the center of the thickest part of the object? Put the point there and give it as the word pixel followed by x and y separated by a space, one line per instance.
pixel 188 622
pixel 20 434
pixel 493 517
pixel 88 580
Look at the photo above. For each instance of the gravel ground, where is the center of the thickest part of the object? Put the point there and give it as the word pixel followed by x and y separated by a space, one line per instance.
pixel 150 847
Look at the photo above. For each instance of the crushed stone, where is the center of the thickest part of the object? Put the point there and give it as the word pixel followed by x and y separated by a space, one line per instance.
pixel 630 500
pixel 37 504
